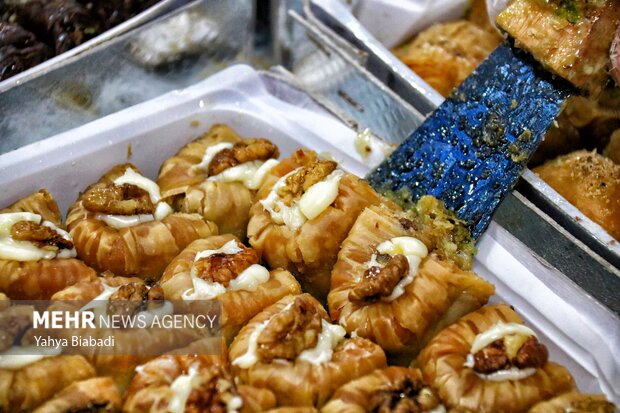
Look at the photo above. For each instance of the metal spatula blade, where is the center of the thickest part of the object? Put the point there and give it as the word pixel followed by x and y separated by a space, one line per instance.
pixel 470 152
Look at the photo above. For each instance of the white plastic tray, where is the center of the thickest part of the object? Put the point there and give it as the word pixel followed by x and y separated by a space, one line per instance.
pixel 580 333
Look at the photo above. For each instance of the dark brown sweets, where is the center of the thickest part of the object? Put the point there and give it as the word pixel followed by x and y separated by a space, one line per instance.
pixel 19 50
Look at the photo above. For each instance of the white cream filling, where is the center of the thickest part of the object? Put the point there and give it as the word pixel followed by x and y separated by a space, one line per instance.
pixel 11 249
pixel 102 298
pixel 230 248
pixel 414 251
pixel 234 404
pixel 99 304
pixel 248 280
pixel 331 335
pixel 499 331
pixel 250 358
pixel 181 388
pixel 210 153
pixel 311 204
pixel 162 209
pixel 133 178
pixel 15 357
pixel 513 373
pixel 250 174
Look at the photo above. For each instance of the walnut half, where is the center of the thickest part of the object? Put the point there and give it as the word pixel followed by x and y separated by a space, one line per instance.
pixel 40 235
pixel 290 332
pixel 494 357
pixel 125 199
pixel 223 268
pixel 134 297
pixel 304 178
pixel 380 282
pixel 242 152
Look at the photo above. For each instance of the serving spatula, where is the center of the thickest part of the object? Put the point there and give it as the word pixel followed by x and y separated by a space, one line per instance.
pixel 470 152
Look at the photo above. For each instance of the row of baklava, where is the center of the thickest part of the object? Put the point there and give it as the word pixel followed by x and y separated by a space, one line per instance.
pixel 395 284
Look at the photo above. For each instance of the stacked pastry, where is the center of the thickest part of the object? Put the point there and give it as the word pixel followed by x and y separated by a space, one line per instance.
pixel 405 327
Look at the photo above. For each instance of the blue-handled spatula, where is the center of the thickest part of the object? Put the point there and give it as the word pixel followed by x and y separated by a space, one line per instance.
pixel 470 152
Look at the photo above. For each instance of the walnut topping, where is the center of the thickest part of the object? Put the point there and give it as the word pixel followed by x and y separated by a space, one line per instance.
pixel 531 354
pixel 495 357
pixel 40 235
pixel 405 396
pixel 300 181
pixel 214 393
pixel 125 199
pixel 491 358
pixel 134 297
pixel 242 152
pixel 380 282
pixel 223 268
pixel 290 332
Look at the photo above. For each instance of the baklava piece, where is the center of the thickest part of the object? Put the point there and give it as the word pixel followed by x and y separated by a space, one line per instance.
pixel 123 297
pixel 305 210
pixel 293 350
pixel 179 384
pixel 388 286
pixel 222 268
pixel 37 256
pixel 591 183
pixel 446 53
pixel 394 389
pixel 122 224
pixel 488 361
pixel 217 176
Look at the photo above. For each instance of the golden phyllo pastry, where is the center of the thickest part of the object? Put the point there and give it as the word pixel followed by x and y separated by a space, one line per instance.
pixel 446 53
pixel 188 384
pixel 489 361
pixel 122 297
pixel 387 286
pixel 217 175
pixel 122 224
pixel 589 181
pixel 97 395
pixel 574 402
pixel 293 350
pixel 37 257
pixel 222 268
pixel 394 389
pixel 305 210
pixel 28 381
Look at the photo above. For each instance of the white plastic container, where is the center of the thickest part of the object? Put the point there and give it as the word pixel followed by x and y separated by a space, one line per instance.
pixel 579 332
